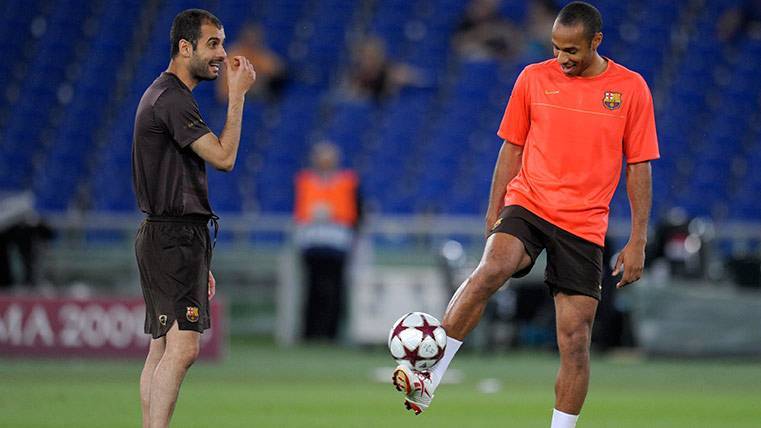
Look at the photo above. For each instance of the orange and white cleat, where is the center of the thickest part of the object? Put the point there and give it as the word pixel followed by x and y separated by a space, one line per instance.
pixel 416 387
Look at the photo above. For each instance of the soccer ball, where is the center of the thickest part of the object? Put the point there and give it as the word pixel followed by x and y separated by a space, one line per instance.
pixel 417 340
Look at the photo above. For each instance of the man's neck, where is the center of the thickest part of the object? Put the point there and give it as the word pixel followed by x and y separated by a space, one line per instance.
pixel 598 66
pixel 182 73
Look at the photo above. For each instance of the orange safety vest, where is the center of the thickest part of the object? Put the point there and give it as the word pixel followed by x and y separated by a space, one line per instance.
pixel 338 191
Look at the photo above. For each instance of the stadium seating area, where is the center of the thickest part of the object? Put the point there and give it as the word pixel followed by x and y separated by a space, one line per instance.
pixel 77 68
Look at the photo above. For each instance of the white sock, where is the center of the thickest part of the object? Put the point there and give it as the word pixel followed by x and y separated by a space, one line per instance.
pixel 563 420
pixel 441 367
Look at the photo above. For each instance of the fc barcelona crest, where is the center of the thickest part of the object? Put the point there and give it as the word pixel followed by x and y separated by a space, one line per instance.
pixel 192 313
pixel 612 100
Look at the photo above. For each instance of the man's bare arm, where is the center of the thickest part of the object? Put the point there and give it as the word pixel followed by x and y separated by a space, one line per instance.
pixel 507 167
pixel 639 185
pixel 221 152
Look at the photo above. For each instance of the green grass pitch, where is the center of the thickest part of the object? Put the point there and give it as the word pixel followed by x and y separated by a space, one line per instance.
pixel 259 385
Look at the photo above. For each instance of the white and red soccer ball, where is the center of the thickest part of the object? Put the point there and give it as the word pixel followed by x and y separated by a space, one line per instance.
pixel 417 340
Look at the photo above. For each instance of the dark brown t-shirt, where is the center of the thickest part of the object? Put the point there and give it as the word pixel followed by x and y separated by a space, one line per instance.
pixel 168 177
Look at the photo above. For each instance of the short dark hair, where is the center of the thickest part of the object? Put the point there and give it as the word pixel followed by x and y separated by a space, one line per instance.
pixel 187 25
pixel 579 12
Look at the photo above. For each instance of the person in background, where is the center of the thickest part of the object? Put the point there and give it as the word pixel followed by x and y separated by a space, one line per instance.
pixel 327 214
pixel 373 76
pixel 742 18
pixel 483 33
pixel 271 71
pixel 539 17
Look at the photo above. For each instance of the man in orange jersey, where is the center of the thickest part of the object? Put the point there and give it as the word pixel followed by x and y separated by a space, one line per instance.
pixel 568 124
pixel 327 213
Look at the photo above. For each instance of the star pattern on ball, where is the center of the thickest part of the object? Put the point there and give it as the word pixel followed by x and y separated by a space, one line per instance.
pixel 427 329
pixel 411 356
pixel 399 328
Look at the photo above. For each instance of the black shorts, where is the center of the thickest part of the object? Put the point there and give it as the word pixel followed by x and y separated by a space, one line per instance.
pixel 574 265
pixel 173 257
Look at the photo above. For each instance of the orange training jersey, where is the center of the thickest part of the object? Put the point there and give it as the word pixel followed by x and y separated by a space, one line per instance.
pixel 575 132
pixel 337 192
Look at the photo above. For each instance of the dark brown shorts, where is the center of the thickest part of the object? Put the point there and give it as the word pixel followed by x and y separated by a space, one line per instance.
pixel 173 257
pixel 574 265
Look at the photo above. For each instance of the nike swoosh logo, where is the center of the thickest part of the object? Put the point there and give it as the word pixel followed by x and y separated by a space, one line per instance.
pixel 548 92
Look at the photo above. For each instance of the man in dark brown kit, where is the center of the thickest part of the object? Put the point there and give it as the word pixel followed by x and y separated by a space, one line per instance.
pixel 171 146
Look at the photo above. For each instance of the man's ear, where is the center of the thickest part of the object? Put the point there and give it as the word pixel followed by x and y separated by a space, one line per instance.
pixel 186 48
pixel 596 40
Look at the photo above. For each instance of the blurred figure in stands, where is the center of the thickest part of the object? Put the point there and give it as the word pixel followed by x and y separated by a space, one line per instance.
pixel 742 18
pixel 327 214
pixel 372 75
pixel 483 33
pixel 540 17
pixel 271 72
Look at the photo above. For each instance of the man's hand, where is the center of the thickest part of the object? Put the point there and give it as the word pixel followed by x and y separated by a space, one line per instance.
pixel 240 75
pixel 212 286
pixel 630 261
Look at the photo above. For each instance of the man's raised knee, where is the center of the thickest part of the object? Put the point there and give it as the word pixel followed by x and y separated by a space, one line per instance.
pixel 489 277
